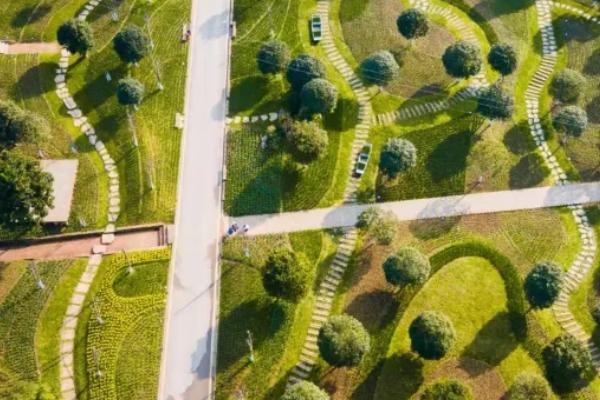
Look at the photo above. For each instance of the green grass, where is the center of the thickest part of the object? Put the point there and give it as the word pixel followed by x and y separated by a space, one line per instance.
pixel 128 342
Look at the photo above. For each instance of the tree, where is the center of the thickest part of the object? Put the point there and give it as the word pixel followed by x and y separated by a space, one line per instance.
pixel 528 386
pixel 412 24
pixel 408 266
pixel 571 121
pixel 447 389
pixel 272 57
pixel 568 363
pixel 319 96
pixel 26 191
pixel 302 70
pixel 462 60
pixel 17 125
pixel 307 141
pixel 493 103
pixel 131 44
pixel 542 284
pixel 285 275
pixel 567 85
pixel 382 226
pixel 397 155
pixel 76 36
pixel 379 68
pixel 431 335
pixel 503 58
pixel 130 92
pixel 343 341
pixel 304 390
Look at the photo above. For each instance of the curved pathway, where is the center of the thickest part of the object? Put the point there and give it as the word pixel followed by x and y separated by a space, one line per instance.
pixel 76 304
pixel 584 259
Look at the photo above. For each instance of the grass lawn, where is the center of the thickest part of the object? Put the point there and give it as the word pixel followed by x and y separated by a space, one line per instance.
pixel 128 342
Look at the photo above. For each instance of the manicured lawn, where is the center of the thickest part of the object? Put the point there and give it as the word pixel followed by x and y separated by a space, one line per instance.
pixel 128 342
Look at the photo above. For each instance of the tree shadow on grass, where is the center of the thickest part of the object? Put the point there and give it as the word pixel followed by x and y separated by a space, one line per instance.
pixel 366 388
pixel 570 28
pixel 528 172
pixel 98 90
pixel 344 117
pixel 432 228
pixel 374 309
pixel 517 139
pixel 593 110
pixel 31 84
pixel 29 15
pixel 247 92
pixel 501 7
pixel 449 158
pixel 260 195
pixel 401 377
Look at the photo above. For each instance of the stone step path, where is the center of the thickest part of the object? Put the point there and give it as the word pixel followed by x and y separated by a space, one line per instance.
pixel 575 10
pixel 236 120
pixel 585 258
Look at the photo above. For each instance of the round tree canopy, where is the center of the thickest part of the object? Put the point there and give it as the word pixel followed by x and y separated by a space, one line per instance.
pixel 379 68
pixel 76 36
pixel 307 141
pixel 302 70
pixel 130 91
pixel 17 125
pixel 319 96
pixel 431 335
pixel 528 386
pixel 493 103
pixel 304 390
pixel 462 60
pixel 131 44
pixel 571 120
pixel 285 275
pixel 408 266
pixel 448 389
pixel 412 24
pixel 568 363
pixel 397 155
pixel 343 341
pixel 272 57
pixel 567 85
pixel 503 58
pixel 542 285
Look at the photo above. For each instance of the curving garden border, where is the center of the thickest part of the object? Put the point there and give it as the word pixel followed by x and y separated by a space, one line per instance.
pixel 76 304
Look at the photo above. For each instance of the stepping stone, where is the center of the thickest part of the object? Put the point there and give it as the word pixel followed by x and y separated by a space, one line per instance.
pixel 77 299
pixel 59 78
pixel 114 201
pixel 245 119
pixel 272 116
pixel 264 117
pixel 99 249
pixel 107 238
pixel 254 119
pixel 237 119
pixel 82 287
pixel 67 334
pixel 110 228
pixel 114 209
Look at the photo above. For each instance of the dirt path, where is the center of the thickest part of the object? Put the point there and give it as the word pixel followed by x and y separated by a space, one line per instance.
pixel 30 48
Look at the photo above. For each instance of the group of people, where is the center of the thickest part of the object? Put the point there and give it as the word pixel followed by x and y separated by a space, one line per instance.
pixel 234 228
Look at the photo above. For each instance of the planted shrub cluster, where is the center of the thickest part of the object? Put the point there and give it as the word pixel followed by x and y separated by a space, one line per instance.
pixel 286 276
pixel 343 341
pixel 408 266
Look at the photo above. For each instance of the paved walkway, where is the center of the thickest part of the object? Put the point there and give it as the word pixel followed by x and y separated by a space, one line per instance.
pixel 30 48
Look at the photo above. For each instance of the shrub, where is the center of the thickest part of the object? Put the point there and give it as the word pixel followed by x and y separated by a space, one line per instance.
pixel 76 36
pixel 368 217
pixel 304 390
pixel 596 313
pixel 381 225
pixel 529 386
pixel 130 91
pixel 272 57
pixel 542 284
pixel 379 68
pixel 397 155
pixel 462 60
pixel 571 120
pixel 447 389
pixel 286 276
pixel 304 69
pixel 131 44
pixel 568 363
pixel 567 85
pixel 343 341
pixel 493 103
pixel 307 141
pixel 412 24
pixel 17 125
pixel 408 266
pixel 26 191
pixel 431 335
pixel 319 96
pixel 503 58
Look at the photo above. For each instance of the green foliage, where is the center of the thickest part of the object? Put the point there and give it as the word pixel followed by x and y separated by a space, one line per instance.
pixel 408 266
pixel 412 24
pixel 131 44
pixel 448 389
pixel 567 85
pixel 272 57
pixel 76 36
pixel 319 96
pixel 18 125
pixel 397 155
pixel 286 276
pixel 379 68
pixel 343 341
pixel 568 363
pixel 596 313
pixel 503 58
pixel 542 285
pixel 304 390
pixel 302 70
pixel 130 91
pixel 432 335
pixel 462 59
pixel 26 191
pixel 33 391
pixel 494 103
pixel 571 120
pixel 368 217
pixel 307 140
pixel 528 386
pixel 384 229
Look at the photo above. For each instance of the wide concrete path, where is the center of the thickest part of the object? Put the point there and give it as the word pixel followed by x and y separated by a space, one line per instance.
pixel 30 48
pixel 476 203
